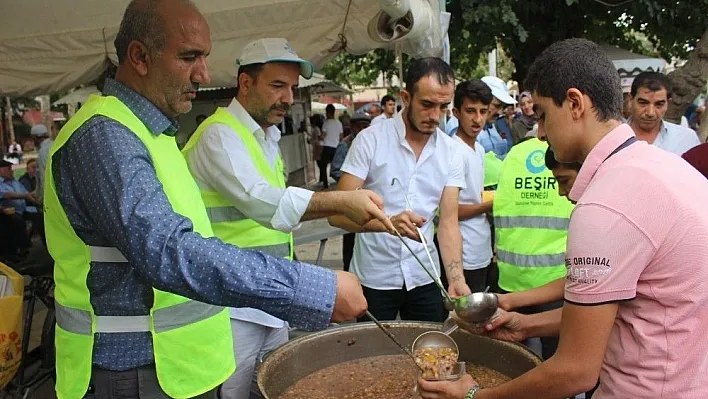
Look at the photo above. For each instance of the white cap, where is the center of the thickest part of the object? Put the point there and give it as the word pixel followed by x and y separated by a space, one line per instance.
pixel 499 89
pixel 39 130
pixel 273 50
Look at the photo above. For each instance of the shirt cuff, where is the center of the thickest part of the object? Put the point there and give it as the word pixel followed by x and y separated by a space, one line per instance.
pixel 600 297
pixel 360 173
pixel 313 302
pixel 456 183
pixel 291 208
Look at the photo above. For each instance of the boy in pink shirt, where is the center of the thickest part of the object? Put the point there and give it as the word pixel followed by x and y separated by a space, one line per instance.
pixel 636 311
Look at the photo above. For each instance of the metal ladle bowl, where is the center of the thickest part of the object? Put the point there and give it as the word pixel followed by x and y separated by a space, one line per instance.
pixel 434 339
pixel 477 307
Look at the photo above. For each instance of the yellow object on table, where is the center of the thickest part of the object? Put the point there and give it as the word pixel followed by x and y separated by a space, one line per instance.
pixel 11 292
pixel 488 195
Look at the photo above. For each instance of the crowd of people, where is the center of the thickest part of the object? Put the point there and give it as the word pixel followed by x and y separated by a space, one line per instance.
pixel 175 271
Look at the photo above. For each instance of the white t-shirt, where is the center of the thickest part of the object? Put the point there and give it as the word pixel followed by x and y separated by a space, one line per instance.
pixel 332 129
pixel 378 154
pixel 476 232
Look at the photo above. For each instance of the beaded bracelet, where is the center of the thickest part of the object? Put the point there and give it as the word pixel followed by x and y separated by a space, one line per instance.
pixel 472 392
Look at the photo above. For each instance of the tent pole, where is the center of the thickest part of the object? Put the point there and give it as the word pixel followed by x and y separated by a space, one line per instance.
pixel 10 127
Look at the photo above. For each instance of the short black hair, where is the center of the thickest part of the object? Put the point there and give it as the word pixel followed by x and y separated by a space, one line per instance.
pixel 580 64
pixel 329 109
pixel 475 89
pixel 252 70
pixel 386 99
pixel 422 67
pixel 653 81
pixel 552 164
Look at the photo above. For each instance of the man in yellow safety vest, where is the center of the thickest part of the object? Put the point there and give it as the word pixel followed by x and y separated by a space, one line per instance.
pixel 140 283
pixel 234 157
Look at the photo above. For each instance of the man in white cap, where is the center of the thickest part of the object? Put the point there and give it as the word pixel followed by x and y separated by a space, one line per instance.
pixel 42 142
pixel 234 157
pixel 491 138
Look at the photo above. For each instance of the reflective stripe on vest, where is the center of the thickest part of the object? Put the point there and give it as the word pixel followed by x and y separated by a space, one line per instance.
pixel 78 321
pixel 192 342
pixel 225 214
pixel 532 222
pixel 521 260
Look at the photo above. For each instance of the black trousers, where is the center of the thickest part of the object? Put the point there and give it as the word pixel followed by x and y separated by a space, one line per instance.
pixel 348 249
pixel 325 159
pixel 420 304
pixel 13 234
pixel 37 220
pixel 139 383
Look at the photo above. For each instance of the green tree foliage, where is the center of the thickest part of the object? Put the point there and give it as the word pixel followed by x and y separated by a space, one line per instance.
pixel 523 28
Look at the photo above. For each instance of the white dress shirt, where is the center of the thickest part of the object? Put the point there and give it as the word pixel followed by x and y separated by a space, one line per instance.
pixel 378 154
pixel 379 119
pixel 675 138
pixel 220 162
pixel 476 232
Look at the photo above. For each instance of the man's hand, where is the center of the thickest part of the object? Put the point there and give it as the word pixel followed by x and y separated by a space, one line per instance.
pixel 505 301
pixel 446 389
pixel 406 223
pixel 349 302
pixel 505 326
pixel 459 288
pixel 362 206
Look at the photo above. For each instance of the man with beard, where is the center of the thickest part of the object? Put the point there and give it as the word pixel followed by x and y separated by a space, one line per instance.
pixel 234 157
pixel 427 167
pixel 649 99
pixel 140 280
pixel 636 308
pixel 472 99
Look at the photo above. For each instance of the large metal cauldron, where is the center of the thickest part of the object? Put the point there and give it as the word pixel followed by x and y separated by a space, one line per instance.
pixel 303 356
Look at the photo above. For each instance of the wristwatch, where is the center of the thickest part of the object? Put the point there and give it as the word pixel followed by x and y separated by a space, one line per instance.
pixel 472 392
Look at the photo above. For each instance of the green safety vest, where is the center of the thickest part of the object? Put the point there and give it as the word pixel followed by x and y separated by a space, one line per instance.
pixel 492 169
pixel 227 221
pixel 530 219
pixel 192 341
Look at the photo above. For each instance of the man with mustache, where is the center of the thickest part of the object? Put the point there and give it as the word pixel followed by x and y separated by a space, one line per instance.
pixel 141 283
pixel 234 157
pixel 649 99
pixel 429 168
pixel 634 311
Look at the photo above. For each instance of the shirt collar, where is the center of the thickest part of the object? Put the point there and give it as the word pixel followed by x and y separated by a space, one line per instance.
pixel 400 128
pixel 155 120
pixel 240 113
pixel 597 156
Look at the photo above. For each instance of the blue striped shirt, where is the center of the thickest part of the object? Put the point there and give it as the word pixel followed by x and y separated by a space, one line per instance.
pixel 106 183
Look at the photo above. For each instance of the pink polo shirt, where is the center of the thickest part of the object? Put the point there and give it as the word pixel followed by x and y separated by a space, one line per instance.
pixel 639 237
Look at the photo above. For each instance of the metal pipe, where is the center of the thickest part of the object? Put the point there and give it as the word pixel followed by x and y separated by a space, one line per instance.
pixel 420 232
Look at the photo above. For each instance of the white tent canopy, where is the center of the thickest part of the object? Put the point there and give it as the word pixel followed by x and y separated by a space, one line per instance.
pixel 47 47
pixel 630 64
